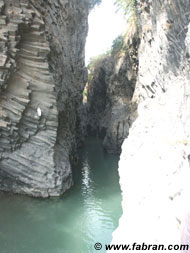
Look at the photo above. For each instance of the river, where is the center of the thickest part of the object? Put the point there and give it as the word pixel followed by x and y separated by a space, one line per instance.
pixel 73 223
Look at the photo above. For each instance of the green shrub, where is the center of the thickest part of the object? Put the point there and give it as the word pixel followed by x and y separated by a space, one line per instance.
pixel 117 45
pixel 94 61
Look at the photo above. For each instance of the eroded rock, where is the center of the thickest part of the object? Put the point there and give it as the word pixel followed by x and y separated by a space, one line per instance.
pixel 42 75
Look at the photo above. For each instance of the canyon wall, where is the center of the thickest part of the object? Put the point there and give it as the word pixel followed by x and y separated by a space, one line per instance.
pixel 110 111
pixel 42 76
pixel 154 165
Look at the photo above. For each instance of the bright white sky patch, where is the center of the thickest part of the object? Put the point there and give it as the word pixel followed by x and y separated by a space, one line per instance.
pixel 105 24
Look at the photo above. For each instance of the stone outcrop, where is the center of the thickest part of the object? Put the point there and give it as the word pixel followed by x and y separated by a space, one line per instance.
pixel 42 75
pixel 110 111
pixel 154 168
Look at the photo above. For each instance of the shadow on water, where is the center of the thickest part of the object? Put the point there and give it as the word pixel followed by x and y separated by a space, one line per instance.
pixel 73 223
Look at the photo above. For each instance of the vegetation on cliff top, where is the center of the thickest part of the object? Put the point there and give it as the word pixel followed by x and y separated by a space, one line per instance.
pixel 119 44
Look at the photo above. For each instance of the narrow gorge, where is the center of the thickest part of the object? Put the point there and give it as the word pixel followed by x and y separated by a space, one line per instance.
pixel 140 95
pixel 110 110
pixel 135 98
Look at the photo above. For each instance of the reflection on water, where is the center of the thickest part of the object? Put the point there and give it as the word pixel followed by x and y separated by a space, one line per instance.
pixel 87 214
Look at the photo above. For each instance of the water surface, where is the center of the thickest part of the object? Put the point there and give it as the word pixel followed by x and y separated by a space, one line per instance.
pixel 73 223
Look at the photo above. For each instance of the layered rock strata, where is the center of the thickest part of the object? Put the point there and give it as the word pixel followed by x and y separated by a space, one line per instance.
pixel 154 168
pixel 42 75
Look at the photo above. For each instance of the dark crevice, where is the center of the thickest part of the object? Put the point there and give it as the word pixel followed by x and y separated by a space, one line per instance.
pixel 110 110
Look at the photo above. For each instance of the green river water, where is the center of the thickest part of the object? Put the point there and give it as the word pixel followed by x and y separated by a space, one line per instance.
pixel 73 223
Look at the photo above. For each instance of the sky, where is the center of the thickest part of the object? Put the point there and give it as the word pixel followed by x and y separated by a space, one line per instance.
pixel 105 24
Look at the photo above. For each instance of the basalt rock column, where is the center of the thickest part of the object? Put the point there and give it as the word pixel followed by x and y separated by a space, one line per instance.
pixel 42 75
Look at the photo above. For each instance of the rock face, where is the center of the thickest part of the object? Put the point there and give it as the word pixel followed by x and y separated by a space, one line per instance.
pixel 42 76
pixel 97 97
pixel 110 111
pixel 154 168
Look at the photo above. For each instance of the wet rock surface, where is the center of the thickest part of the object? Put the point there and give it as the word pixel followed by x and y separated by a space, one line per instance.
pixel 42 75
